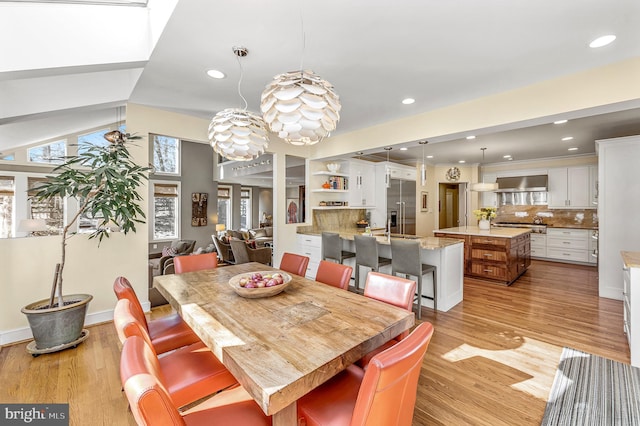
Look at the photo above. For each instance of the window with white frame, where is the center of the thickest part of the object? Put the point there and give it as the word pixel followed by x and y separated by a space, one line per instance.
pixel 94 138
pixel 166 210
pixel 51 209
pixel 245 208
pixel 7 201
pixel 224 206
pixel 166 155
pixel 51 153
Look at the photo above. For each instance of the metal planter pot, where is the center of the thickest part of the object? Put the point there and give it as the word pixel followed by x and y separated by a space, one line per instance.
pixel 56 328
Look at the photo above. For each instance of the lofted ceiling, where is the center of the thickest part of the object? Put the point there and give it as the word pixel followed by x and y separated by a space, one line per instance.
pixel 374 53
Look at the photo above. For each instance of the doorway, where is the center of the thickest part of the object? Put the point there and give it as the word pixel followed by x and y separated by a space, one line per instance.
pixel 452 205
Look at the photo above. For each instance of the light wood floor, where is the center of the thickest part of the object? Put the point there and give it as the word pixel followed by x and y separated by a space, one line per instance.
pixel 491 361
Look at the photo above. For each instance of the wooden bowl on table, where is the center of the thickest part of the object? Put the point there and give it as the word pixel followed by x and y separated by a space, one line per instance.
pixel 258 292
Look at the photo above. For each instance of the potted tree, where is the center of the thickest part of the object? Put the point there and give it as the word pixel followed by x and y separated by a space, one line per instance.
pixel 104 180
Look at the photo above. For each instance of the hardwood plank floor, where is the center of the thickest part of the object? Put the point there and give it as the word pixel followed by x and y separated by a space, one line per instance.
pixel 491 361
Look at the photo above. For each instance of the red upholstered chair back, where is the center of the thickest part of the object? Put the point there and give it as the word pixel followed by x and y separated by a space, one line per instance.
pixel 387 395
pixel 294 263
pixel 128 323
pixel 123 290
pixel 195 262
pixel 149 400
pixel 335 274
pixel 393 290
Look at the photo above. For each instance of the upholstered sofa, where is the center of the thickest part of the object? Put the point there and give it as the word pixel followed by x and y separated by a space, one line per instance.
pixel 260 235
pixel 164 265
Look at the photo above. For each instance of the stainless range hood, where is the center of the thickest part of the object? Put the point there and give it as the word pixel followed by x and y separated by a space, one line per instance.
pixel 537 183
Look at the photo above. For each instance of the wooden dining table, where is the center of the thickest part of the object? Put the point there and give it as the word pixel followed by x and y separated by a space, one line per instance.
pixel 281 347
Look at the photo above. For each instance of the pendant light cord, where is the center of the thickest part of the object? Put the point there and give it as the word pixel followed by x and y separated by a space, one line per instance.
pixel 304 38
pixel 240 82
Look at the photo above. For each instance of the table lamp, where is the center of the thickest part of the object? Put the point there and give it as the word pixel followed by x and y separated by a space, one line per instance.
pixel 220 227
pixel 31 226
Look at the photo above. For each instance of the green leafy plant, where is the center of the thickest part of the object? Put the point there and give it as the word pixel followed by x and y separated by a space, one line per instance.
pixel 105 181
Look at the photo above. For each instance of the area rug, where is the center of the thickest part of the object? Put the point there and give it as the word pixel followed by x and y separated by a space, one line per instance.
pixel 591 390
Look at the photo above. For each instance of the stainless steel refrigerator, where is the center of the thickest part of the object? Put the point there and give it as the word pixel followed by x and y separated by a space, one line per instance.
pixel 401 206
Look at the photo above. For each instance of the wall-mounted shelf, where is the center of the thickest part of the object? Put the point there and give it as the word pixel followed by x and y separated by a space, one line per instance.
pixel 328 173
pixel 329 190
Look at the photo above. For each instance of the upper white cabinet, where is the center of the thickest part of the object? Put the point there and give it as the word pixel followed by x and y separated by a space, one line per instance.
pixel 570 188
pixel 362 179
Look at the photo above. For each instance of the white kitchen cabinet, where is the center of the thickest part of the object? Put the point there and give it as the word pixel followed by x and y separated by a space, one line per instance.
pixel 570 188
pixel 538 245
pixel 593 185
pixel 631 304
pixel 310 246
pixel 593 246
pixel 362 180
pixel 569 245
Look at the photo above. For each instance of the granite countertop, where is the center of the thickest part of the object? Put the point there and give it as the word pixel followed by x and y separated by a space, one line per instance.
pixel 493 232
pixel 631 259
pixel 427 243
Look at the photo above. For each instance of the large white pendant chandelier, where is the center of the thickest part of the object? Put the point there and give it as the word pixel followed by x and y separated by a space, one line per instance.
pixel 300 107
pixel 238 134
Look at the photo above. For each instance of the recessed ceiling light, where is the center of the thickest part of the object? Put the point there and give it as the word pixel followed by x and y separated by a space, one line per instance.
pixel 560 121
pixel 429 156
pixel 470 137
pixel 461 161
pixel 506 156
pixel 403 149
pixel 216 74
pixel 572 149
pixel 408 101
pixel 602 41
pixel 567 138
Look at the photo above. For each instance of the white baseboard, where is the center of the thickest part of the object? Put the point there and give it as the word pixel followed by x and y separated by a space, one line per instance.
pixel 22 334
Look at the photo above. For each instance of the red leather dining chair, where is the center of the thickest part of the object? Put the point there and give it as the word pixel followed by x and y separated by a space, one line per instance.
pixel 384 394
pixel 189 373
pixel 393 290
pixel 152 405
pixel 294 263
pixel 195 262
pixel 334 274
pixel 167 333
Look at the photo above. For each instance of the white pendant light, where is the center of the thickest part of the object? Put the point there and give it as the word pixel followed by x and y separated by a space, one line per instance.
pixel 387 170
pixel 482 186
pixel 300 107
pixel 235 133
pixel 423 166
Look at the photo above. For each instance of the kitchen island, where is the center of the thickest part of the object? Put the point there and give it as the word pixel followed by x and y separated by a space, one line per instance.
pixel 446 254
pixel 498 254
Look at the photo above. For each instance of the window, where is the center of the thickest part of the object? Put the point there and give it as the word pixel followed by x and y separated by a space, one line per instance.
pixel 166 210
pixel 224 206
pixel 51 153
pixel 245 208
pixel 7 199
pixel 8 157
pixel 94 138
pixel 51 210
pixel 166 155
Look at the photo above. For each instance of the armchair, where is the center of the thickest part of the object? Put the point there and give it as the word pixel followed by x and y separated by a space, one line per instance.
pixel 243 253
pixel 224 250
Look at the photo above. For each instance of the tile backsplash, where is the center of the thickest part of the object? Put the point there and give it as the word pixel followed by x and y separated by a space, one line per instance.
pixel 559 218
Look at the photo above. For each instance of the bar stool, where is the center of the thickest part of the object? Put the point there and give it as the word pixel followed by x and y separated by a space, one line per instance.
pixel 405 259
pixel 332 248
pixel 367 255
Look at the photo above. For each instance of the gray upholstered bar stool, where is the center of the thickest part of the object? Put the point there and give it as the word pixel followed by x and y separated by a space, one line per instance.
pixel 332 248
pixel 367 255
pixel 405 259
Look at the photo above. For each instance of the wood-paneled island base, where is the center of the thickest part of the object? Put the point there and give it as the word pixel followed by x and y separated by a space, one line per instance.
pixel 497 254
pixel 281 347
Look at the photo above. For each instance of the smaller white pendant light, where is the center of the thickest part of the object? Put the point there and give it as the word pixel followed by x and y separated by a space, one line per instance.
pixel 235 133
pixel 423 166
pixel 482 186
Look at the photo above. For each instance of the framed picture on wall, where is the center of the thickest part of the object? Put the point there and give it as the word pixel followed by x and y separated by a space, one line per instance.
pixel 292 210
pixel 424 201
